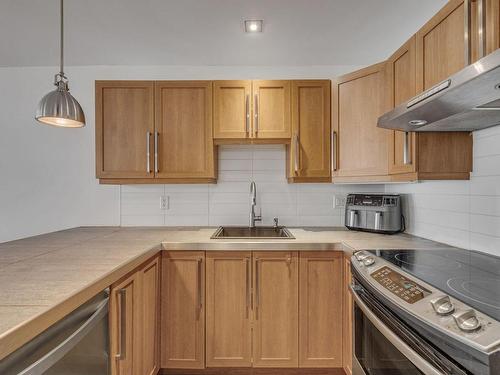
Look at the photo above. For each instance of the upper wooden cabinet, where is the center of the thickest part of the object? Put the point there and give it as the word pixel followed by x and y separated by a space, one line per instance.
pixel 149 132
pixel 309 154
pixel 232 107
pixel 320 309
pixel 134 312
pixel 492 25
pixel 183 123
pixel 360 147
pixel 415 156
pixel 183 310
pixel 124 127
pixel 251 110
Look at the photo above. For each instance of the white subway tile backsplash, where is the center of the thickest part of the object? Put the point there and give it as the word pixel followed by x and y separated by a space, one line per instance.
pixel 228 203
pixel 461 213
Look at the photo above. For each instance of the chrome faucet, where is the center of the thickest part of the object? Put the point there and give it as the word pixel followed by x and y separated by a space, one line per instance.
pixel 253 203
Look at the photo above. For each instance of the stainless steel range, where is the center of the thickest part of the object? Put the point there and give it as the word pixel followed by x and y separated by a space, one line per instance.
pixel 426 312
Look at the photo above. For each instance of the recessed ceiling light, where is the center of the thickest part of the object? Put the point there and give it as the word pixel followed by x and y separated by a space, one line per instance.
pixel 253 26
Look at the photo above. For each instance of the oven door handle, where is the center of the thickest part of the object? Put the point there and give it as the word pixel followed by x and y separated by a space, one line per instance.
pixel 408 352
pixel 55 355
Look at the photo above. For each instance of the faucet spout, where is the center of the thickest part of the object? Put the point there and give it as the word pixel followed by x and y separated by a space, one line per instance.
pixel 253 203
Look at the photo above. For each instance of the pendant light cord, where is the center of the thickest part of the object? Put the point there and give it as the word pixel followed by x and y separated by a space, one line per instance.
pixel 61 66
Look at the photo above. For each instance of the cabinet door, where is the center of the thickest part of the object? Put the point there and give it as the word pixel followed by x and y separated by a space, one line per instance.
pixel 182 310
pixel 275 334
pixel 124 128
pixel 232 109
pixel 492 25
pixel 125 330
pixel 320 309
pixel 309 153
pixel 441 45
pixel 229 341
pixel 150 287
pixel 360 98
pixel 347 315
pixel 401 69
pixel 183 123
pixel 271 109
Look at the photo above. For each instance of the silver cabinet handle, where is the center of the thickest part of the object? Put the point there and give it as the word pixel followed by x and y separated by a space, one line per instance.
pixel 122 331
pixel 198 275
pixel 257 291
pixel 247 114
pixel 406 149
pixel 157 135
pixel 296 156
pixel 467 32
pixel 334 150
pixel 481 15
pixel 256 113
pixel 247 270
pixel 148 153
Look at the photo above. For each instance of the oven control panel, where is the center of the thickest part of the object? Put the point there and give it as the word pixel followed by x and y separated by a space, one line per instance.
pixel 399 285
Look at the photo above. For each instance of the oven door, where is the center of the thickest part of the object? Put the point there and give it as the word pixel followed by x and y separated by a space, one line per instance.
pixel 384 346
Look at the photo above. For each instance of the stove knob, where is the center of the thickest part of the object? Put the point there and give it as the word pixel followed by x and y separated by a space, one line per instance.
pixel 442 305
pixel 467 320
pixel 368 261
pixel 360 255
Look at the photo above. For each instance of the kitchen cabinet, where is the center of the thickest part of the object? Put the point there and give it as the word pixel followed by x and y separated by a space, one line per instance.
pixel 347 316
pixel 124 125
pixel 183 310
pixel 249 111
pixel 183 125
pixel 150 276
pixel 229 313
pixel 415 156
pixel 275 333
pixel 154 132
pixel 309 154
pixel 492 25
pixel 134 322
pixel 360 147
pixel 320 309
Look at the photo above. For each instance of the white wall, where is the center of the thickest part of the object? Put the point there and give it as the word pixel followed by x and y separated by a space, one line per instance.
pixel 47 177
pixel 461 213
pixel 227 202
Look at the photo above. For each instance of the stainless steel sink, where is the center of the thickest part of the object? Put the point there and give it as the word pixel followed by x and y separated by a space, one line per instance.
pixel 257 232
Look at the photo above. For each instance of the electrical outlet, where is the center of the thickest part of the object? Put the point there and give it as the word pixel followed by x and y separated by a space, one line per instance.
pixel 164 202
pixel 339 201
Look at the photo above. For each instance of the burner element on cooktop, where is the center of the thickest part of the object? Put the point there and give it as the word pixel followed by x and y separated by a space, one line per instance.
pixel 477 290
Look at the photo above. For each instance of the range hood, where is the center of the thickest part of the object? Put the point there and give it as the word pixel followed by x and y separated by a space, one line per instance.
pixel 469 100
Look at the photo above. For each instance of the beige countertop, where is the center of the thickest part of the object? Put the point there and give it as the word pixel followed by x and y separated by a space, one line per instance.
pixel 44 278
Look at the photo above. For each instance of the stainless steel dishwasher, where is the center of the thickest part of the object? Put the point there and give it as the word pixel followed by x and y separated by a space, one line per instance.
pixel 76 345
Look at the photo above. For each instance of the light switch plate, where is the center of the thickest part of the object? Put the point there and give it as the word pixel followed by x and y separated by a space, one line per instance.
pixel 164 202
pixel 339 201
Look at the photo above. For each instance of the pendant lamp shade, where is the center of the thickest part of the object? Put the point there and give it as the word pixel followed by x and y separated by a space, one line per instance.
pixel 59 107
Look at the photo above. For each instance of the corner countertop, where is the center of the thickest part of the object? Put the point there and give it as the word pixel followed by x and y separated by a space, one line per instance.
pixel 44 278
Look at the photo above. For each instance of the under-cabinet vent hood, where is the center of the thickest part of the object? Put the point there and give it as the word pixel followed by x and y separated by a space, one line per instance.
pixel 469 100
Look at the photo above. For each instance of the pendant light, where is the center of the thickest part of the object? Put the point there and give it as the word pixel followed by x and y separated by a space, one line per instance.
pixel 59 107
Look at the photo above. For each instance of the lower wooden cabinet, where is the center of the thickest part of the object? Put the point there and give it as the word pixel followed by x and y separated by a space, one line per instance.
pixel 134 322
pixel 320 309
pixel 257 306
pixel 275 332
pixel 183 310
pixel 347 316
pixel 229 313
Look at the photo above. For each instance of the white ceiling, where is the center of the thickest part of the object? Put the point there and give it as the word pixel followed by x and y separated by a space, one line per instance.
pixel 208 32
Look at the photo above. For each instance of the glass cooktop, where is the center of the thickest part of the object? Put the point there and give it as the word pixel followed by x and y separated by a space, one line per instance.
pixel 469 276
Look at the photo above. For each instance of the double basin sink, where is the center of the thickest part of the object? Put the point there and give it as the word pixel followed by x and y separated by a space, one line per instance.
pixel 249 233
